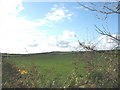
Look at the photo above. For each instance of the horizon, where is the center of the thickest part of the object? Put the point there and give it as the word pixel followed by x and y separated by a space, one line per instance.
pixel 38 27
pixel 54 52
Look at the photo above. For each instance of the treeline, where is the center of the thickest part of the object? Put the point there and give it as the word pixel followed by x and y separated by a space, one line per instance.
pixel 58 52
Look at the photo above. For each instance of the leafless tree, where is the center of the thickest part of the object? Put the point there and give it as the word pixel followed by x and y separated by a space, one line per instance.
pixel 106 9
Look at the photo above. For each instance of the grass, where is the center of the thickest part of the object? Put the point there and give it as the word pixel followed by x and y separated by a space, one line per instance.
pixel 52 64
pixel 98 69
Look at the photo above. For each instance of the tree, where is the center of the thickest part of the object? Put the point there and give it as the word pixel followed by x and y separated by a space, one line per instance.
pixel 106 9
pixel 98 74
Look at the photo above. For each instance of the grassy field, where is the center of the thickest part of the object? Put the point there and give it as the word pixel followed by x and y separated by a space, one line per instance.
pixel 53 64
pixel 59 65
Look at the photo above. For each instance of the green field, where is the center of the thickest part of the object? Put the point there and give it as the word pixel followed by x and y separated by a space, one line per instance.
pixel 60 65
pixel 52 64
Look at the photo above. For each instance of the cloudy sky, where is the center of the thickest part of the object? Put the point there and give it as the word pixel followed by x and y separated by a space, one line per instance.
pixel 35 27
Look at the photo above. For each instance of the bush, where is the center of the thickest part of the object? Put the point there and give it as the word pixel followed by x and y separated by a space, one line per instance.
pixel 102 70
pixel 14 77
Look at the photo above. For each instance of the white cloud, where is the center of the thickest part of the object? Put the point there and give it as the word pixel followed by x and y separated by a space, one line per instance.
pixel 63 42
pixel 41 22
pixel 17 34
pixel 58 13
pixel 68 34
pixel 106 42
pixel 10 7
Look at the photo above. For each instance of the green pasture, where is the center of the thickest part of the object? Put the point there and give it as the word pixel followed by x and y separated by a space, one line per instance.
pixel 52 65
pixel 61 67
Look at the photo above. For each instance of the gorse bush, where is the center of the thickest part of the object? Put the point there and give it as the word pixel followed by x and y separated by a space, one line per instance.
pixel 14 77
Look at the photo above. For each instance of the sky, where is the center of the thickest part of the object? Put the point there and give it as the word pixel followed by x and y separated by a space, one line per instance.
pixel 36 27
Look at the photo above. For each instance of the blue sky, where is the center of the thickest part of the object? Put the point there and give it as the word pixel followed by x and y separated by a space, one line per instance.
pixel 49 26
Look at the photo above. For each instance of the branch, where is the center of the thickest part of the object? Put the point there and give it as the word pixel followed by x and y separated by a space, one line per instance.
pixel 111 11
pixel 106 33
pixel 86 47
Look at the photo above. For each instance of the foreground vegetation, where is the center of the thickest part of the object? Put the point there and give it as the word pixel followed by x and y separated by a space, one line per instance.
pixel 61 70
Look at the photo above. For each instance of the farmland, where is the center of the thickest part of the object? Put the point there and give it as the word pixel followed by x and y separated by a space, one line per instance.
pixel 57 63
pixel 60 65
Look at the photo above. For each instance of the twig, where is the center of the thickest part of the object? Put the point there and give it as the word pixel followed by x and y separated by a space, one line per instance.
pixel 106 33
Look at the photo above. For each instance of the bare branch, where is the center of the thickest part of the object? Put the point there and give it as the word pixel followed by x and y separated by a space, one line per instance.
pixel 111 11
pixel 86 47
pixel 106 33
pixel 104 10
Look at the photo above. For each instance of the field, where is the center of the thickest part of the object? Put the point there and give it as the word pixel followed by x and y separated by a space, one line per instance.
pixel 58 66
